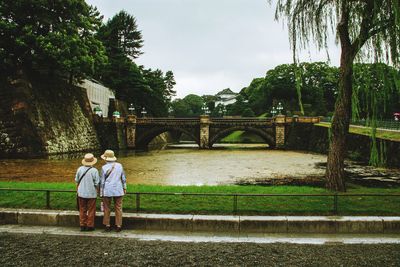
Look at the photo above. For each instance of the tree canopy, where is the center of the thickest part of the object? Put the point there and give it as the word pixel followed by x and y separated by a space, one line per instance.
pixel 51 36
pixel 120 34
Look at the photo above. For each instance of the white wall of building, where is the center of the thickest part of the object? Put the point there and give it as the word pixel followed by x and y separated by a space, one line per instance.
pixel 98 95
pixel 225 101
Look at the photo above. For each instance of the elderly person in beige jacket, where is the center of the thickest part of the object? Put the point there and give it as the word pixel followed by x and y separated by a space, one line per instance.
pixel 112 187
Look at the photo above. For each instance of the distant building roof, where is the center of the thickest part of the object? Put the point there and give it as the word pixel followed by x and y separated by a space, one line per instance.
pixel 226 91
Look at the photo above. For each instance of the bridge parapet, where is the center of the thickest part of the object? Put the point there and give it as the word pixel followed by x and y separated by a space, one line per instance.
pixel 307 119
pixel 167 121
pixel 242 121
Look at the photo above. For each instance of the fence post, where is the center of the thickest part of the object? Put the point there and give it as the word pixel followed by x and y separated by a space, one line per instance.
pixel 235 203
pixel 47 199
pixel 137 202
pixel 335 204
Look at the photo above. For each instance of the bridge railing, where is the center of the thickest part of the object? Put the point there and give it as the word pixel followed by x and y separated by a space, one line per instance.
pixel 241 120
pixel 327 203
pixel 166 120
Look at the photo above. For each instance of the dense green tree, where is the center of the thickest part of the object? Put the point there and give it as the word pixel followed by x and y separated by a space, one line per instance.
pixel 170 82
pixel 195 103
pixel 364 27
pixel 209 100
pixel 159 99
pixel 238 108
pixel 248 112
pixel 318 81
pixel 115 73
pixel 218 111
pixel 121 35
pixel 57 37
pixel 180 108
pixel 257 95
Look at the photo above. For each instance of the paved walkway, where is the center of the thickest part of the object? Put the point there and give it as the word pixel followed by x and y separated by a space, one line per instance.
pixel 175 236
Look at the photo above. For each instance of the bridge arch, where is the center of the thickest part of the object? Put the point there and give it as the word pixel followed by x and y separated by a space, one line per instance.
pixel 266 135
pixel 145 139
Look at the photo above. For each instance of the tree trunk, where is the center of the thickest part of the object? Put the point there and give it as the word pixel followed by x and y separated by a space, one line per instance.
pixel 335 176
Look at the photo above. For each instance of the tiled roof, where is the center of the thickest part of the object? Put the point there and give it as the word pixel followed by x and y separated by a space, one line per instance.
pixel 226 91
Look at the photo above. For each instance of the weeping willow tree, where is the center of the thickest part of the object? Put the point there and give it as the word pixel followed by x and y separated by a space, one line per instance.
pixel 376 90
pixel 365 29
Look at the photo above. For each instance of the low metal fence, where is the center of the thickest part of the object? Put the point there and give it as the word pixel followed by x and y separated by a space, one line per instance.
pixel 333 198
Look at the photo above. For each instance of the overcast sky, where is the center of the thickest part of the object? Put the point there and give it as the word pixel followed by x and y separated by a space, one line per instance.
pixel 210 44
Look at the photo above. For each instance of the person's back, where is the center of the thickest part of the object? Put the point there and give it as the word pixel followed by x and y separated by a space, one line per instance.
pixel 112 187
pixel 87 184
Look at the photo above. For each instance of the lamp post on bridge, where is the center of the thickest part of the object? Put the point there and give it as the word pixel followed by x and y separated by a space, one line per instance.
pixel 279 108
pixel 205 109
pixel 97 110
pixel 131 109
pixel 144 112
pixel 273 111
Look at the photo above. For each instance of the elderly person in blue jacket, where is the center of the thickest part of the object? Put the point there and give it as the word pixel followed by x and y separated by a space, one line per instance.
pixel 87 182
pixel 113 187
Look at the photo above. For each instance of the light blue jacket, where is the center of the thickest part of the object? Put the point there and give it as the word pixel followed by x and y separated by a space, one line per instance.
pixel 115 183
pixel 88 186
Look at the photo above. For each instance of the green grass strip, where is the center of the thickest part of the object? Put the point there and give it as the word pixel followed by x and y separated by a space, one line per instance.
pixel 188 204
pixel 381 134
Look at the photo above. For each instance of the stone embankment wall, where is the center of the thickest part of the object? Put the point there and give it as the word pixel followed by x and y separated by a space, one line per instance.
pixel 316 139
pixel 42 116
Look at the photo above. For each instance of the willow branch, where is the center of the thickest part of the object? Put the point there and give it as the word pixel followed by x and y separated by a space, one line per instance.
pixel 366 25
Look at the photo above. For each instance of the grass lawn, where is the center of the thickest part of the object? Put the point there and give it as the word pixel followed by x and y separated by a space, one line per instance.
pixel 242 136
pixel 382 134
pixel 234 137
pixel 272 205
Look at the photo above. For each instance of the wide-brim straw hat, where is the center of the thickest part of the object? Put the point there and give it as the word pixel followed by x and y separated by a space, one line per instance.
pixel 89 160
pixel 108 156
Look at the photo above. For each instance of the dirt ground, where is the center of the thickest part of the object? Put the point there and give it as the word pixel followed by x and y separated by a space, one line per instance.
pixel 45 250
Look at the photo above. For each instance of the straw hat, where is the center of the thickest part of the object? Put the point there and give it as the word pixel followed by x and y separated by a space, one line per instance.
pixel 108 156
pixel 89 160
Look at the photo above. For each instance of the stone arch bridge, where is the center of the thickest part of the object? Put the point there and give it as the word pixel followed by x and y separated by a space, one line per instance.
pixel 205 131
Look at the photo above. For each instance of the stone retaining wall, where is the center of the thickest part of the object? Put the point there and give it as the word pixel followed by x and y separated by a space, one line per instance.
pixel 316 139
pixel 40 116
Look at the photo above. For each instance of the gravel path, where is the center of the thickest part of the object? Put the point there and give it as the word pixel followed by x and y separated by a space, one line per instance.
pixel 45 250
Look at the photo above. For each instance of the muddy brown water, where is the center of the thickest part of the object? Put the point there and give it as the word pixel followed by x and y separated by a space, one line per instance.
pixel 179 165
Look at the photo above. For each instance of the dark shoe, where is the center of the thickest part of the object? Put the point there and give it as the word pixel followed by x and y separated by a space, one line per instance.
pixel 90 229
pixel 118 229
pixel 107 229
pixel 83 228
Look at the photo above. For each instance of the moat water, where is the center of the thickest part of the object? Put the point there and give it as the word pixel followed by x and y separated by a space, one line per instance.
pixel 185 164
pixel 179 165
